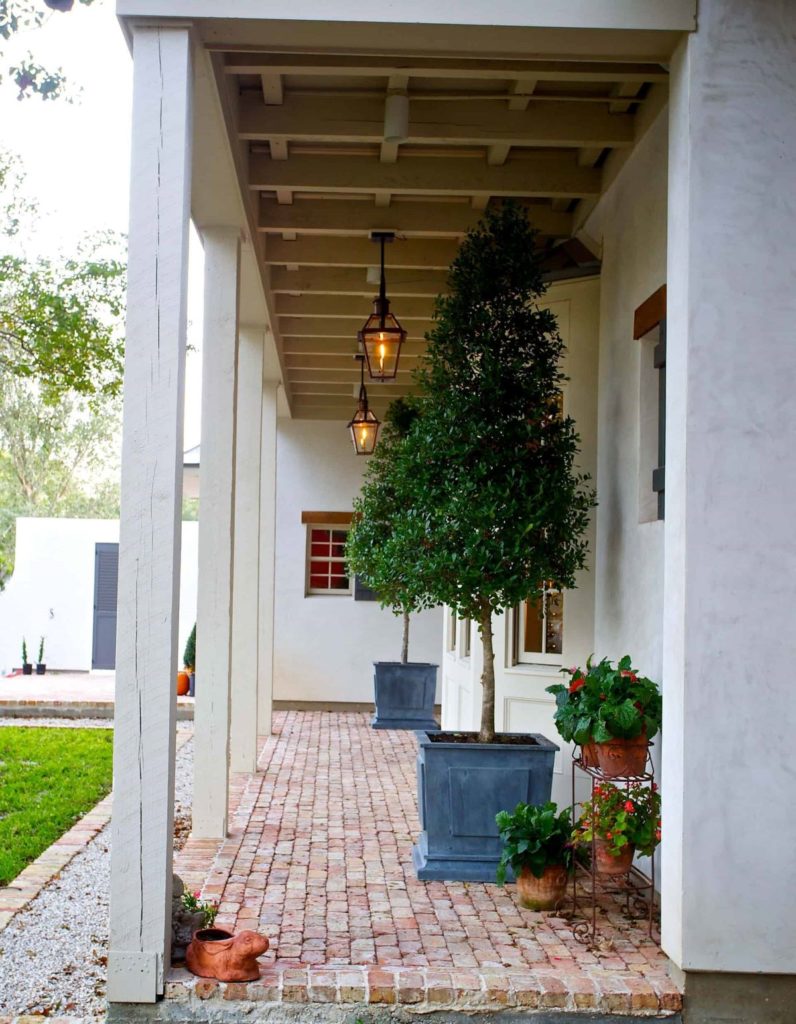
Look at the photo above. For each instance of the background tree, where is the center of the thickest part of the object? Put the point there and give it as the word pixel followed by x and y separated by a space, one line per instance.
pixel 491 460
pixel 19 17
pixel 55 459
pixel 382 545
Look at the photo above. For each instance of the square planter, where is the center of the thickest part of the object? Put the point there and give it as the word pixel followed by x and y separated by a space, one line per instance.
pixel 404 695
pixel 461 787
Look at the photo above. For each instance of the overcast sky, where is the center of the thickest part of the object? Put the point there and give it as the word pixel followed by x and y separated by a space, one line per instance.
pixel 77 155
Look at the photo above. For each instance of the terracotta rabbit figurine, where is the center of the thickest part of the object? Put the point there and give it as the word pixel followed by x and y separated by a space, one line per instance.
pixel 214 953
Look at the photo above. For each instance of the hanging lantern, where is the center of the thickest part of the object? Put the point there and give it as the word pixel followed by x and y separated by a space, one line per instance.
pixel 382 336
pixel 363 425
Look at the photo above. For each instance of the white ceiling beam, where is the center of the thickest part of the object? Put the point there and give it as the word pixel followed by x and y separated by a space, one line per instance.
pixel 589 157
pixel 273 93
pixel 341 346
pixel 410 219
pixel 560 205
pixel 341 327
pixel 479 203
pixel 284 196
pixel 624 89
pixel 443 67
pixel 540 174
pixel 473 122
pixel 409 254
pixel 521 91
pixel 330 306
pixel 278 148
pixel 383 199
pixel 345 281
pixel 388 153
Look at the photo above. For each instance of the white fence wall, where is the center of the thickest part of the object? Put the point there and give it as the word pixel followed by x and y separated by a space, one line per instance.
pixel 51 592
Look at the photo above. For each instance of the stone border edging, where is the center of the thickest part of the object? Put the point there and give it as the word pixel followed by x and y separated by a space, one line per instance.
pixel 23 889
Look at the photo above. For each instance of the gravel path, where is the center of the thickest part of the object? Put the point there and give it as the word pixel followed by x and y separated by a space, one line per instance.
pixel 53 954
pixel 61 723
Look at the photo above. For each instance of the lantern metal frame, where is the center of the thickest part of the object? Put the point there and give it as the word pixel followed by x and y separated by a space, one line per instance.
pixel 382 328
pixel 363 416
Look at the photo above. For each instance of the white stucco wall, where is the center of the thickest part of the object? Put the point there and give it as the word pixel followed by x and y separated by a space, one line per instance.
pixel 325 645
pixel 51 592
pixel 631 224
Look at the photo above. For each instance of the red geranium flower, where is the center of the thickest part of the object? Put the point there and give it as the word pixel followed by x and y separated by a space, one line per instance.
pixel 630 807
pixel 576 684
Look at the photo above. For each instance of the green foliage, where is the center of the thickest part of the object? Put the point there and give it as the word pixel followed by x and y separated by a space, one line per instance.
pixel 622 817
pixel 48 779
pixel 194 905
pixel 606 702
pixel 24 651
pixel 382 546
pixel 40 659
pixel 534 837
pixel 55 460
pixel 30 77
pixel 189 655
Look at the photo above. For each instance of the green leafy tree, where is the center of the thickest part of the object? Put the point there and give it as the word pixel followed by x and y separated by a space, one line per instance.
pixel 60 319
pixel 382 543
pixel 55 460
pixel 20 17
pixel 189 655
pixel 491 458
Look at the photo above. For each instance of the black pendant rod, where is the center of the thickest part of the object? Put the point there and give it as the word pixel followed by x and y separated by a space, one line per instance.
pixel 382 287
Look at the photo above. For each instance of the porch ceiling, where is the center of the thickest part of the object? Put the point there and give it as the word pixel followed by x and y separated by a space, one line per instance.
pixel 317 176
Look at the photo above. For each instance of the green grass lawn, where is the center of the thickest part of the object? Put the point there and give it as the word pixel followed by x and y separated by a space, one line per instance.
pixel 48 779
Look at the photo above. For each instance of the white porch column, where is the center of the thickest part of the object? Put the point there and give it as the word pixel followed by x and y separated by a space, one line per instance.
pixel 267 556
pixel 246 585
pixel 151 507
pixel 729 904
pixel 216 533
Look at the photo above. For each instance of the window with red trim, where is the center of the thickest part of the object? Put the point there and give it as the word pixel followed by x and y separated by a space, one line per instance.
pixel 327 572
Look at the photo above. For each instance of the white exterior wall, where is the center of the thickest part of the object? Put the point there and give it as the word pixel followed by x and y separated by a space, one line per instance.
pixel 51 592
pixel 631 223
pixel 325 645
pixel 521 703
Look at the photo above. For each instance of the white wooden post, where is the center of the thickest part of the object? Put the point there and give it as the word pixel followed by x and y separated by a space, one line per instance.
pixel 267 556
pixel 246 583
pixel 151 506
pixel 729 834
pixel 216 533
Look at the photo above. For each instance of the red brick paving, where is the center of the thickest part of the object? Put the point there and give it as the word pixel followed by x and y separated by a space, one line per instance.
pixel 319 859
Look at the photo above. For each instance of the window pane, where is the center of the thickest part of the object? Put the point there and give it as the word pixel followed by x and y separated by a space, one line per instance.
pixel 339 536
pixel 319 568
pixel 554 633
pixel 339 583
pixel 319 536
pixel 532 639
pixel 319 550
pixel 338 550
pixel 337 568
pixel 319 582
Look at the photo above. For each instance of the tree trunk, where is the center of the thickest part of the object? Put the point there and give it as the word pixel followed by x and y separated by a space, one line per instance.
pixel 405 639
pixel 487 733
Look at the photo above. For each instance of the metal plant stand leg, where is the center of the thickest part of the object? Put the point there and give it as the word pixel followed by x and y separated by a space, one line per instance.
pixel 634 891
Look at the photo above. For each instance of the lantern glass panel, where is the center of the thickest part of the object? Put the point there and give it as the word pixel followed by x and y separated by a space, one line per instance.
pixel 382 345
pixel 364 430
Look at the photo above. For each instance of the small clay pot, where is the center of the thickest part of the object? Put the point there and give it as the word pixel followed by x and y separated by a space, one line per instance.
pixel 623 758
pixel 545 893
pixel 589 755
pixel 215 953
pixel 607 863
pixel 183 684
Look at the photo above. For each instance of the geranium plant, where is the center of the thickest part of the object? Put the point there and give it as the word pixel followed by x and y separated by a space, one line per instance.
pixel 606 702
pixel 535 838
pixel 622 817
pixel 194 905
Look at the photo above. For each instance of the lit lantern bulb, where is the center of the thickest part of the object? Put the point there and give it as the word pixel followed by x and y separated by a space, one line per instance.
pixel 382 354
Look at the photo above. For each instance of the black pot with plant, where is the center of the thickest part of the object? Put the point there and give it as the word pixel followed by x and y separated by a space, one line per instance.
pixel 491 511
pixel 538 850
pixel 41 667
pixel 378 550
pixel 27 667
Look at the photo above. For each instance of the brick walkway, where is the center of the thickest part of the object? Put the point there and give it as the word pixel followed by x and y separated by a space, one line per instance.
pixel 319 859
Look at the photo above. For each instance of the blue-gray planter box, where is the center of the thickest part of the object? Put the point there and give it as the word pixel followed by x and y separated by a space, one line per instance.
pixel 461 787
pixel 404 695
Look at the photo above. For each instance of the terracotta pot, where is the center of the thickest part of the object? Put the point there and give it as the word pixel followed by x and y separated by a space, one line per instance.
pixel 215 953
pixel 545 893
pixel 183 683
pixel 589 756
pixel 623 758
pixel 605 863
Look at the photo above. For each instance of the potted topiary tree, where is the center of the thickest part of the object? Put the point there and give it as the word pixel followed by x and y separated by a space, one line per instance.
pixel 380 547
pixel 27 666
pixel 492 464
pixel 189 660
pixel 41 667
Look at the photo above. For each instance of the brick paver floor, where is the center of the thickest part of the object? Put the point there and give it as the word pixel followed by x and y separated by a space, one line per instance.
pixel 319 859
